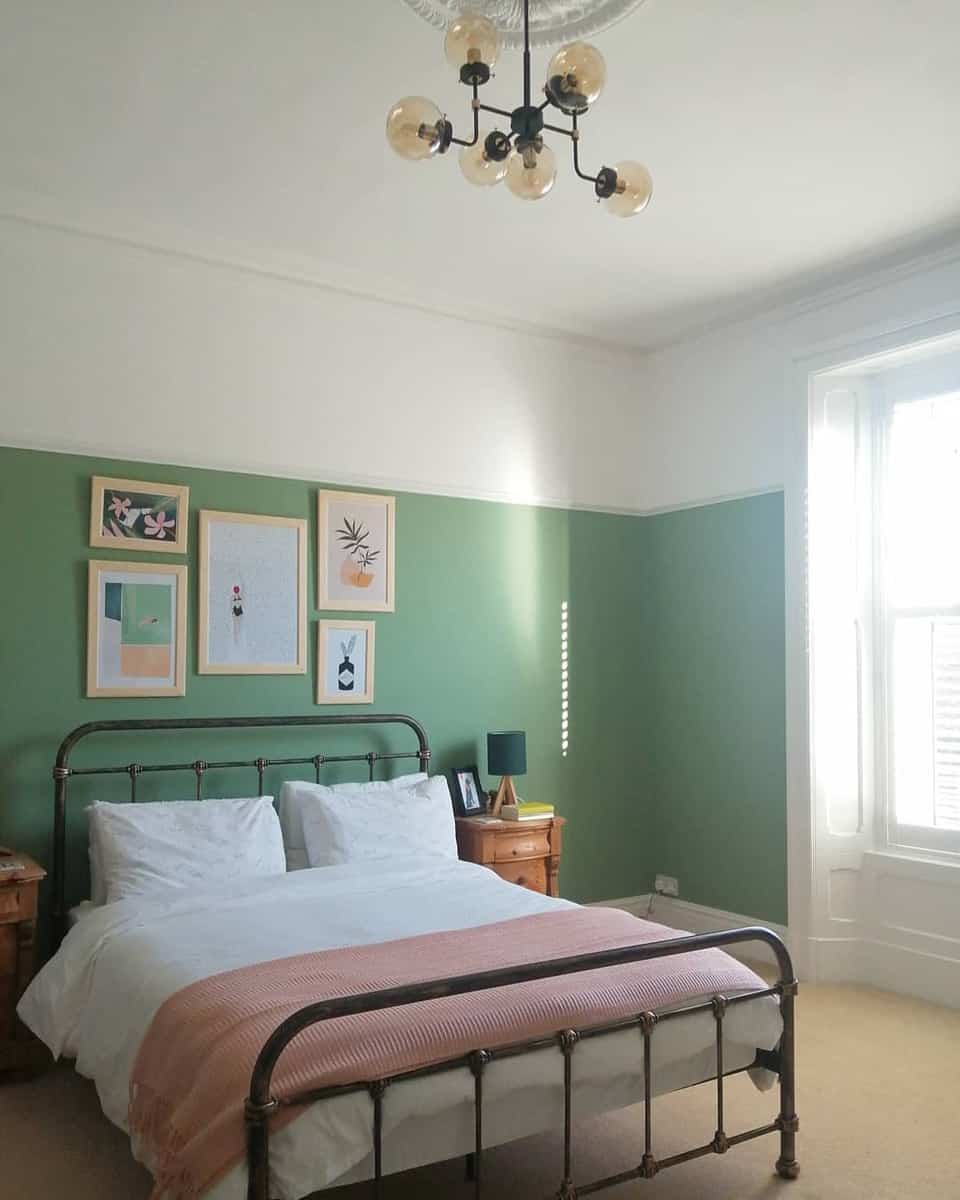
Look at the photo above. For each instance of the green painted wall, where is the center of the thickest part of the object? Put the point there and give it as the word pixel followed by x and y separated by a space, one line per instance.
pixel 474 645
pixel 714 701
pixel 677 755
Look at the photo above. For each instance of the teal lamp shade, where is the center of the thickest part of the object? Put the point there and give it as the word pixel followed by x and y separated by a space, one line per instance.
pixel 507 752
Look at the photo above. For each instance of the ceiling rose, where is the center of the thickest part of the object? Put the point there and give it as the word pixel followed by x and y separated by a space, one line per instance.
pixel 551 21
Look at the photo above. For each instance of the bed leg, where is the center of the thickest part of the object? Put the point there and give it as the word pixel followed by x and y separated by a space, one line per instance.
pixel 787 1121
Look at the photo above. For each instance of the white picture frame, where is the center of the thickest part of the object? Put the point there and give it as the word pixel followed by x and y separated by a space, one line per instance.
pixel 345 661
pixel 136 629
pixel 253 594
pixel 356 552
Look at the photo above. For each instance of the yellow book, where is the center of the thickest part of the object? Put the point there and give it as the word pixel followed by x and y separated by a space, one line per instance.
pixel 526 811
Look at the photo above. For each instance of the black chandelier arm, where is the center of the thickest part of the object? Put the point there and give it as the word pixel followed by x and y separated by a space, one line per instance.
pixel 500 112
pixel 575 135
pixel 476 122
pixel 526 53
pixel 576 162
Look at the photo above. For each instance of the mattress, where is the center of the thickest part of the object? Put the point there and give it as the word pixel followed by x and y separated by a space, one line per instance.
pixel 96 998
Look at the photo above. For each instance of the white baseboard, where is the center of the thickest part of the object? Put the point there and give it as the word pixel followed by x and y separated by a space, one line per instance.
pixel 697 918
pixel 868 961
pixel 885 965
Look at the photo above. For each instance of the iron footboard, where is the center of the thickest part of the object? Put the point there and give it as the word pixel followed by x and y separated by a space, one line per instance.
pixel 261 1104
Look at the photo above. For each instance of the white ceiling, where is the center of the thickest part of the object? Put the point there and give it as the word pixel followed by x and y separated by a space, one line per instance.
pixel 790 140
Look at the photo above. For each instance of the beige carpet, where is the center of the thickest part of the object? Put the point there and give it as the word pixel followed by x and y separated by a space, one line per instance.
pixel 878 1109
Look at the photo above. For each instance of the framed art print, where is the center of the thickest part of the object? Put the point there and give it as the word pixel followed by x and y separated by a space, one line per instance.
pixel 469 798
pixel 345 662
pixel 253 595
pixel 127 514
pixel 355 551
pixel 136 629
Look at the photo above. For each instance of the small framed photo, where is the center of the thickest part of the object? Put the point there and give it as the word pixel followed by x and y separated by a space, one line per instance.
pixel 136 629
pixel 469 798
pixel 345 662
pixel 128 514
pixel 253 595
pixel 355 551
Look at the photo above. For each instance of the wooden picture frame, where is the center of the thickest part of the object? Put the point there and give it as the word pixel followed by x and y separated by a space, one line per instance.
pixel 466 790
pixel 356 551
pixel 133 632
pixel 253 594
pixel 136 516
pixel 337 668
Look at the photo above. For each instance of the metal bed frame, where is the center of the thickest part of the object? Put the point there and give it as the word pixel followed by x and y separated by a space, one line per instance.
pixel 261 1103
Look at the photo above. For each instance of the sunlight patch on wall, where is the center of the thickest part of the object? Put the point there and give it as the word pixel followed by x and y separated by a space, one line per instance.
pixel 564 678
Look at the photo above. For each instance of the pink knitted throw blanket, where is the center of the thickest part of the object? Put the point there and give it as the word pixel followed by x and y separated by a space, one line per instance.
pixel 192 1073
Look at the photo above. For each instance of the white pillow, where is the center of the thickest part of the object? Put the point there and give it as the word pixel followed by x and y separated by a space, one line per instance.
pixel 343 827
pixel 297 795
pixel 98 886
pixel 145 848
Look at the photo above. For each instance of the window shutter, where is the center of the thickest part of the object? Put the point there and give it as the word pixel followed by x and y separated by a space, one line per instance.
pixel 946 723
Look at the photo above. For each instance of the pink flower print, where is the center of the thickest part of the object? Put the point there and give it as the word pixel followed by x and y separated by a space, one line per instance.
pixel 157 526
pixel 119 507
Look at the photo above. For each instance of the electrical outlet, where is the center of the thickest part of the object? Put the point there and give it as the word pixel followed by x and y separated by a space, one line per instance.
pixel 666 885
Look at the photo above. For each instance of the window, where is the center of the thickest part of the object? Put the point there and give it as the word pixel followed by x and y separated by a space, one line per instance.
pixel 920 563
pixel 885 604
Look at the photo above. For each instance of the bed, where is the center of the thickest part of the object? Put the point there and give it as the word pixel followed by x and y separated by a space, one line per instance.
pixel 659 1012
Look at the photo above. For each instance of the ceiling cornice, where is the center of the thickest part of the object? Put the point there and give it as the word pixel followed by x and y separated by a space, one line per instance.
pixel 43 213
pixel 890 264
pixel 894 262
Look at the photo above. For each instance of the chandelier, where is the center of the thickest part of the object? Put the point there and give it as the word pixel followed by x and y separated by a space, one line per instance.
pixel 418 131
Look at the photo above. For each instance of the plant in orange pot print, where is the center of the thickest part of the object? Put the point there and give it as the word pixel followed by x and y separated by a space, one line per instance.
pixel 358 566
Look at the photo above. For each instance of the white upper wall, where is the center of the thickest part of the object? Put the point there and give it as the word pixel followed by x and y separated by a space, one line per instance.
pixel 716 414
pixel 114 349
pixel 122 351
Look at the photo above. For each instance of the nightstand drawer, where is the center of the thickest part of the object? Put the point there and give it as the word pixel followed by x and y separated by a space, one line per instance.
pixel 527 843
pixel 531 874
pixel 8 952
pixel 18 902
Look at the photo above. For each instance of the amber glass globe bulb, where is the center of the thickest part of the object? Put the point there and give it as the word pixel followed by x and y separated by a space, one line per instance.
pixel 471 39
pixel 413 128
pixel 637 184
pixel 480 170
pixel 575 77
pixel 530 175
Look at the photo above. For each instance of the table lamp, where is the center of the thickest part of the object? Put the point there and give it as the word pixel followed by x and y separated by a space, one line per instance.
pixel 506 756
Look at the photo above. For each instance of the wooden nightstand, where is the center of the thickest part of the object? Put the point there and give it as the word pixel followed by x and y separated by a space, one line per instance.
pixel 19 1049
pixel 524 852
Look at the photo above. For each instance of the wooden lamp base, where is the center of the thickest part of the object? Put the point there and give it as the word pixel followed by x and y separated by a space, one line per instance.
pixel 506 794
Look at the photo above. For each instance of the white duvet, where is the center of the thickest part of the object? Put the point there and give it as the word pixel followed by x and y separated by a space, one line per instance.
pixel 95 999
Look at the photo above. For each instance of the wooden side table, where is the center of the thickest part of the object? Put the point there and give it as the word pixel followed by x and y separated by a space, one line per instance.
pixel 19 1049
pixel 523 852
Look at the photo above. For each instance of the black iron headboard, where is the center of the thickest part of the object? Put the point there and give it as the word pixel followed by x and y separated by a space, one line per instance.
pixel 62 771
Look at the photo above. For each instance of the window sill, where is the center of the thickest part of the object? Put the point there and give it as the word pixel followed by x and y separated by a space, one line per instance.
pixel 945 867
